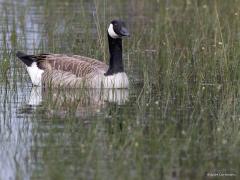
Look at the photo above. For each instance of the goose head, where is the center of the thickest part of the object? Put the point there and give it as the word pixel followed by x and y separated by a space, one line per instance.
pixel 117 29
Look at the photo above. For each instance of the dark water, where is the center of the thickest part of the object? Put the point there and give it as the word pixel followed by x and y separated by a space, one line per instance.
pixel 140 133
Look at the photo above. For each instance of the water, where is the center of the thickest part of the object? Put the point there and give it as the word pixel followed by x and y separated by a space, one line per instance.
pixel 168 132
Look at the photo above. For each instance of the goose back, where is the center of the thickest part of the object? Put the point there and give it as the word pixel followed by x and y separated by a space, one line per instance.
pixel 70 71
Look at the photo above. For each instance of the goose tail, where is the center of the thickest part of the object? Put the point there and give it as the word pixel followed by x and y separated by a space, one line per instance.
pixel 33 70
pixel 26 59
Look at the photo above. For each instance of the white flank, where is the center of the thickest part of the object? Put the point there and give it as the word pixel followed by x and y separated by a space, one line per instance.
pixel 111 32
pixel 35 74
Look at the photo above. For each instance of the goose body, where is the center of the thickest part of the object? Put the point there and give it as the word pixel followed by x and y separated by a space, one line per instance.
pixel 59 70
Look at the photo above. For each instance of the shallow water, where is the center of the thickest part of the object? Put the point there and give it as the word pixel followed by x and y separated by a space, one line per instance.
pixel 140 133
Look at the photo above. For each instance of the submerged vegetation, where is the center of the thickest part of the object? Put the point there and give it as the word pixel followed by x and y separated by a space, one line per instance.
pixel 182 117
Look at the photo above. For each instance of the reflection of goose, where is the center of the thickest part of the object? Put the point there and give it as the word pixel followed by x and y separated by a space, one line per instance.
pixel 84 102
pixel 35 97
pixel 59 70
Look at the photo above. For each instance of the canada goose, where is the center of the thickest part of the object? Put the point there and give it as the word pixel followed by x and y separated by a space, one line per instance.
pixel 59 70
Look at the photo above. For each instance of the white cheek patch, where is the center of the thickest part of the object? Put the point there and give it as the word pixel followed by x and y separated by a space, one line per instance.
pixel 111 32
pixel 35 74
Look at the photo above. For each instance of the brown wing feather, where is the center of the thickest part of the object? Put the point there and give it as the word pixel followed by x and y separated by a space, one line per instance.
pixel 79 66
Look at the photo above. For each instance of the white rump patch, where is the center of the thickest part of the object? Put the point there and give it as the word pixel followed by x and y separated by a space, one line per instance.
pixel 111 32
pixel 35 74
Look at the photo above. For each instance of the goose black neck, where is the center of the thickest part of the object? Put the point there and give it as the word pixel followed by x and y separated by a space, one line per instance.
pixel 115 50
